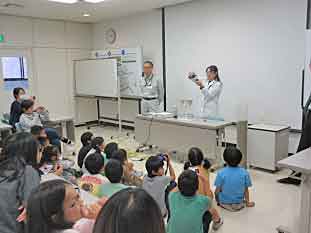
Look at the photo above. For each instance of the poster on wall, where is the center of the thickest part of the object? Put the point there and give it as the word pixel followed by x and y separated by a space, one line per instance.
pixel 129 69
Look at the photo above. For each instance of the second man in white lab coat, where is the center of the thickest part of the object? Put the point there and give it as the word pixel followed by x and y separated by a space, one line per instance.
pixel 207 106
pixel 152 90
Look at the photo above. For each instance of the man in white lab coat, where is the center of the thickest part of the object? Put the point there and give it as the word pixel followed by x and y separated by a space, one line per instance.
pixel 210 90
pixel 151 90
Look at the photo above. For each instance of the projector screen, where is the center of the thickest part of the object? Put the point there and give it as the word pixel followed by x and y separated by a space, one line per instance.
pixel 96 77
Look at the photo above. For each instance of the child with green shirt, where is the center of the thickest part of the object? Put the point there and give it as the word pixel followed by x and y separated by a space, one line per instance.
pixel 188 209
pixel 114 173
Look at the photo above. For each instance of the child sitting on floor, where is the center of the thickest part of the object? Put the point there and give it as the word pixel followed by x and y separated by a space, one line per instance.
pixel 197 162
pixel 98 145
pixel 32 117
pixel 191 212
pixel 51 162
pixel 55 206
pixel 130 176
pixel 93 179
pixel 156 183
pixel 232 183
pixel 86 140
pixel 110 148
pixel 40 135
pixel 114 173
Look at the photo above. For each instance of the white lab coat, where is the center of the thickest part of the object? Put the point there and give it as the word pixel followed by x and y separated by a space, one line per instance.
pixel 207 104
pixel 152 87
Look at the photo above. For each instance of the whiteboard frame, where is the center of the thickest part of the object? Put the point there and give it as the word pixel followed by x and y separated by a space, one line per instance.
pixel 95 96
pixel 75 81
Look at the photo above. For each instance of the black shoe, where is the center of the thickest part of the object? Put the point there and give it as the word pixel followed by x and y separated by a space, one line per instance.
pixel 289 180
pixel 66 140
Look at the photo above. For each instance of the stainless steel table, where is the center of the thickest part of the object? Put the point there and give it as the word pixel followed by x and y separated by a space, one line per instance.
pixel 180 135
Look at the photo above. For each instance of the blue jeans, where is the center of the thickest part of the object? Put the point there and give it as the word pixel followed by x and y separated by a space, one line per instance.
pixel 54 137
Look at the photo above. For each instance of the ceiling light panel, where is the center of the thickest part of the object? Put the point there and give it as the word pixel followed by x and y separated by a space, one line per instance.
pixel 94 1
pixel 64 1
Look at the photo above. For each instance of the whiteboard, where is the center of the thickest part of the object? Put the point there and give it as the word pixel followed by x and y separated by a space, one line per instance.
pixel 130 69
pixel 96 77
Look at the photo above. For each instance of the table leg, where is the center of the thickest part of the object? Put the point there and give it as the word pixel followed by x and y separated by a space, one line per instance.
pixel 64 131
pixel 70 130
pixel 304 223
pixel 305 205
pixel 219 141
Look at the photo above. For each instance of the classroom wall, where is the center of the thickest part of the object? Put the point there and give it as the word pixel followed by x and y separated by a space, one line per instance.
pixel 245 38
pixel 50 46
pixel 259 47
pixel 143 29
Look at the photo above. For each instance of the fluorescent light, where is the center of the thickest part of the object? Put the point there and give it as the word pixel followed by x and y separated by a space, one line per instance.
pixel 94 1
pixel 64 1
pixel 86 15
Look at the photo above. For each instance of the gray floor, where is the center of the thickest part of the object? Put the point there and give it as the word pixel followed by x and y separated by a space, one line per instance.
pixel 276 204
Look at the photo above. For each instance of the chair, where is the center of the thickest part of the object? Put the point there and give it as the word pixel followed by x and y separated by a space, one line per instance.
pixel 5 118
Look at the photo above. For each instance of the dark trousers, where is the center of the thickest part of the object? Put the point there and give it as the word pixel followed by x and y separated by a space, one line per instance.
pixel 305 139
pixel 169 188
pixel 207 219
pixel 54 137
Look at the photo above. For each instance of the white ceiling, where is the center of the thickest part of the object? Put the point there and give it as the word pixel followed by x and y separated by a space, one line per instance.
pixel 74 12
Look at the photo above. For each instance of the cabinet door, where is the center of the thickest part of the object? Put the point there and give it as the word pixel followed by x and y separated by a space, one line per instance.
pixel 261 149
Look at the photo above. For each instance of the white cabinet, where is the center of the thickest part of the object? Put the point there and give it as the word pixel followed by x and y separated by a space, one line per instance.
pixel 266 145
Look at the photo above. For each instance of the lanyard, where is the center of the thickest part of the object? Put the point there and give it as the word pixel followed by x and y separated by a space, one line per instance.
pixel 148 81
pixel 210 84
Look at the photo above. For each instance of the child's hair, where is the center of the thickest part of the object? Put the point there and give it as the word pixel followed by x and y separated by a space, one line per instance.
pixel 97 142
pixel 45 212
pixel 110 148
pixel 214 69
pixel 196 158
pixel 19 150
pixel 94 163
pixel 48 153
pixel 153 164
pixel 86 138
pixel 126 211
pixel 26 104
pixel 188 183
pixel 16 91
pixel 120 155
pixel 114 171
pixel 232 156
pixel 36 130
